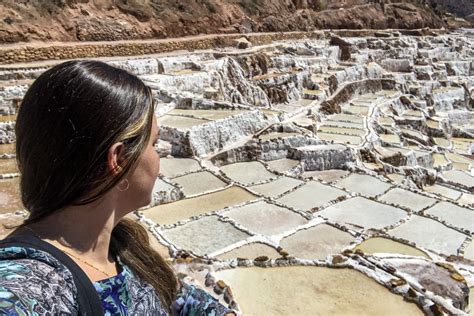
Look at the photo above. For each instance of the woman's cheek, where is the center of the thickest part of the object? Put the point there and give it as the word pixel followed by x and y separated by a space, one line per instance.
pixel 157 163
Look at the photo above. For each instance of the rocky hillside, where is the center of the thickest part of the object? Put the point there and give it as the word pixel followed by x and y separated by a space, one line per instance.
pixel 97 20
pixel 461 8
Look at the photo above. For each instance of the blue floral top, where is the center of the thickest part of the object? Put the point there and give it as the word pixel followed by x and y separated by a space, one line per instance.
pixel 113 293
pixel 32 282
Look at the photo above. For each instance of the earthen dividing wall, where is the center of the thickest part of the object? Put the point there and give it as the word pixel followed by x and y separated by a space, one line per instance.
pixel 37 52
pixel 31 52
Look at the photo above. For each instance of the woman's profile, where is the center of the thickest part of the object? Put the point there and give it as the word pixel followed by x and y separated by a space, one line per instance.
pixel 85 150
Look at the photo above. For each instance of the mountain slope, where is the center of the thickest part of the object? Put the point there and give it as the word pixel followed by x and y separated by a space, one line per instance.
pixel 94 20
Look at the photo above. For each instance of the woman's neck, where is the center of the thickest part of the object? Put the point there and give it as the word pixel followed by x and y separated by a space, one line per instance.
pixel 84 233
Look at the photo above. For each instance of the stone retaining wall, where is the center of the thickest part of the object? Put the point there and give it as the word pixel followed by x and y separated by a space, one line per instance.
pixel 28 53
pixel 36 52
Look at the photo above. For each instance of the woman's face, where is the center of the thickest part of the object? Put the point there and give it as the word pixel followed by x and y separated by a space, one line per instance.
pixel 142 179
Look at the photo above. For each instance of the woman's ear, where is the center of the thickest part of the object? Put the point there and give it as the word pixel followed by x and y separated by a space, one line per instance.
pixel 115 157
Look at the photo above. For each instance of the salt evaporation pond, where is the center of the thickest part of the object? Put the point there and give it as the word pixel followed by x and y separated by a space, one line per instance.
pixel 306 184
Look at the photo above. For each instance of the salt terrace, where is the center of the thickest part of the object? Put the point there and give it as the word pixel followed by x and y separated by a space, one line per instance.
pixel 283 162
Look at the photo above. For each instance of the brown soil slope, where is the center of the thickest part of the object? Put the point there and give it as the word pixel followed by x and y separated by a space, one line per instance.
pixel 93 20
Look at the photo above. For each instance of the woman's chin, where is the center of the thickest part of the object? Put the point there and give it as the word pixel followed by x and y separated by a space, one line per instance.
pixel 137 199
pixel 147 200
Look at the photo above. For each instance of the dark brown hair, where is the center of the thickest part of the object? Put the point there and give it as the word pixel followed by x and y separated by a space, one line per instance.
pixel 69 118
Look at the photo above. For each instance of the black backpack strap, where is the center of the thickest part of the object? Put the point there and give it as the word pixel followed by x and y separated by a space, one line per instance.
pixel 88 299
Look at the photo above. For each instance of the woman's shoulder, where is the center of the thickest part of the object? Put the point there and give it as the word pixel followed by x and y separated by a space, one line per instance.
pixel 193 300
pixel 34 281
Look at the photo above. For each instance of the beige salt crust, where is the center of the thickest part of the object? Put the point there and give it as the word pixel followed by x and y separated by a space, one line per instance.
pixel 320 291
pixel 266 219
pixel 312 194
pixel 10 200
pixel 385 245
pixel 316 242
pixel 199 182
pixel 184 209
pixel 250 251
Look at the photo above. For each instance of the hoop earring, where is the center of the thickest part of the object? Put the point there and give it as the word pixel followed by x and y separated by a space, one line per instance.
pixel 126 188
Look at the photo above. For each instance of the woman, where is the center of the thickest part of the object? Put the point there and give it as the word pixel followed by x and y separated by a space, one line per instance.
pixel 85 149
